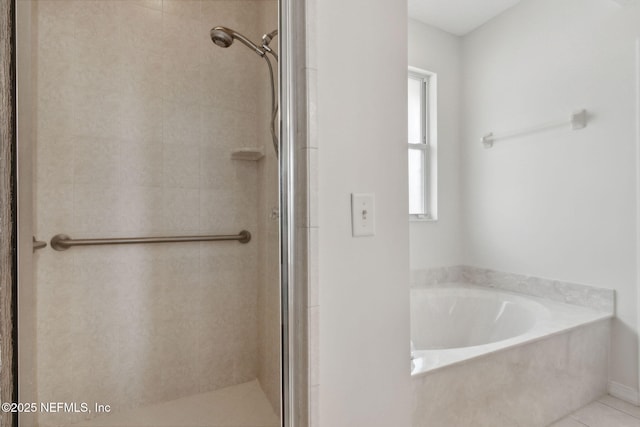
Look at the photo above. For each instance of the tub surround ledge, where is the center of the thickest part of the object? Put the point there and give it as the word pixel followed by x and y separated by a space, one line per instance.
pixel 598 299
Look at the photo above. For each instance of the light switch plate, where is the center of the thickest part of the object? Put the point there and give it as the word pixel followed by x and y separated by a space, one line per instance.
pixel 363 214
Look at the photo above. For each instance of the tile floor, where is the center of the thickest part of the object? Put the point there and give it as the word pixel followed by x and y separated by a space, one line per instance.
pixel 604 412
pixel 243 405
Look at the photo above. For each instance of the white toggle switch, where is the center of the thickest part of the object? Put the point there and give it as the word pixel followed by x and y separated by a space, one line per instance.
pixel 362 214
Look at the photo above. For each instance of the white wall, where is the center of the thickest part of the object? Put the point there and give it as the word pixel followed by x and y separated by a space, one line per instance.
pixel 364 282
pixel 437 51
pixel 556 204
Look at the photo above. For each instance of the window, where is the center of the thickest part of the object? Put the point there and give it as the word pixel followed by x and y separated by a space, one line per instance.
pixel 421 132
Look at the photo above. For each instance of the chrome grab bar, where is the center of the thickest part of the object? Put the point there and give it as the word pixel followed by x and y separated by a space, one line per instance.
pixel 62 242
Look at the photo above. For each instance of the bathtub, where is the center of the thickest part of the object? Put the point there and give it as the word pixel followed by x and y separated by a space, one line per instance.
pixel 486 357
pixel 459 322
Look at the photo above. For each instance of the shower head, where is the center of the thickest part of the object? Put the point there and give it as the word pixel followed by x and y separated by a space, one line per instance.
pixel 224 37
pixel 220 37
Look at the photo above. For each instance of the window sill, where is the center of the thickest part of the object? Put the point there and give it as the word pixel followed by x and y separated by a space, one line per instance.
pixel 416 218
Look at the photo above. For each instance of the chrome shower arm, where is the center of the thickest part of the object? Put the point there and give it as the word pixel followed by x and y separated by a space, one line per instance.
pixel 266 40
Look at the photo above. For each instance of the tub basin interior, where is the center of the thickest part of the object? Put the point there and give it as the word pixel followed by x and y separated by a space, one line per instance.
pixel 455 318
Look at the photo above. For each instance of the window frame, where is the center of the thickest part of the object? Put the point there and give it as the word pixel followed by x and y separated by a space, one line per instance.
pixel 428 142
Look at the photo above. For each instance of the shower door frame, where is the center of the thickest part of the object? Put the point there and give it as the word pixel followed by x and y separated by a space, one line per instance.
pixel 8 209
pixel 294 188
pixel 15 236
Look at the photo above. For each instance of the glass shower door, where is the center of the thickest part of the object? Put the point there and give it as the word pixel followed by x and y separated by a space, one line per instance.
pixel 137 123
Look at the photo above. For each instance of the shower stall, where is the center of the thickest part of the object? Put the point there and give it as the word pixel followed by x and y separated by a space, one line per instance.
pixel 155 185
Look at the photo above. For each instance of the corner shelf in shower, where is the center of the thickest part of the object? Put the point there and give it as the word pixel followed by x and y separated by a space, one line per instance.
pixel 247 154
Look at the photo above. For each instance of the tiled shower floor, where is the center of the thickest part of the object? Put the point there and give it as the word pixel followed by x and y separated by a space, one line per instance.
pixel 243 405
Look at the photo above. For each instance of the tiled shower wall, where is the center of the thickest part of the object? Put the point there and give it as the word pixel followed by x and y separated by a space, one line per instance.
pixel 137 114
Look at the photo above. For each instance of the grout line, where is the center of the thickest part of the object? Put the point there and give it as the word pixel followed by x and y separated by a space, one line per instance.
pixel 619 410
pixel 578 421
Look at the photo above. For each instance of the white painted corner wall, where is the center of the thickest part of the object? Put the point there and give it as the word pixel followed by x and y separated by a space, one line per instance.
pixel 559 204
pixel 364 282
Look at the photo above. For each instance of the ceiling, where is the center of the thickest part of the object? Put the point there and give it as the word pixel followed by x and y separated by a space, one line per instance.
pixel 457 17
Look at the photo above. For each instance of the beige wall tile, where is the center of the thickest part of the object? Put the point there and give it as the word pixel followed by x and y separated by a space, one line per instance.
pixel 141 115
pixel 137 114
pixel 179 38
pixel 181 210
pixel 152 4
pixel 229 128
pixel 230 77
pixel 139 210
pixel 54 210
pixel 217 170
pixel 238 15
pixel 242 217
pixel 191 9
pixel 140 26
pixel 141 163
pixel 97 113
pixel 183 80
pixel 94 209
pixel 181 165
pixel 142 72
pixel 181 123
pixel 55 19
pixel 58 168
pixel 96 161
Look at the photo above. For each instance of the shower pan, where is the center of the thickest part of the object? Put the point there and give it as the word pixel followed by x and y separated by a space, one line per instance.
pixel 157 297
